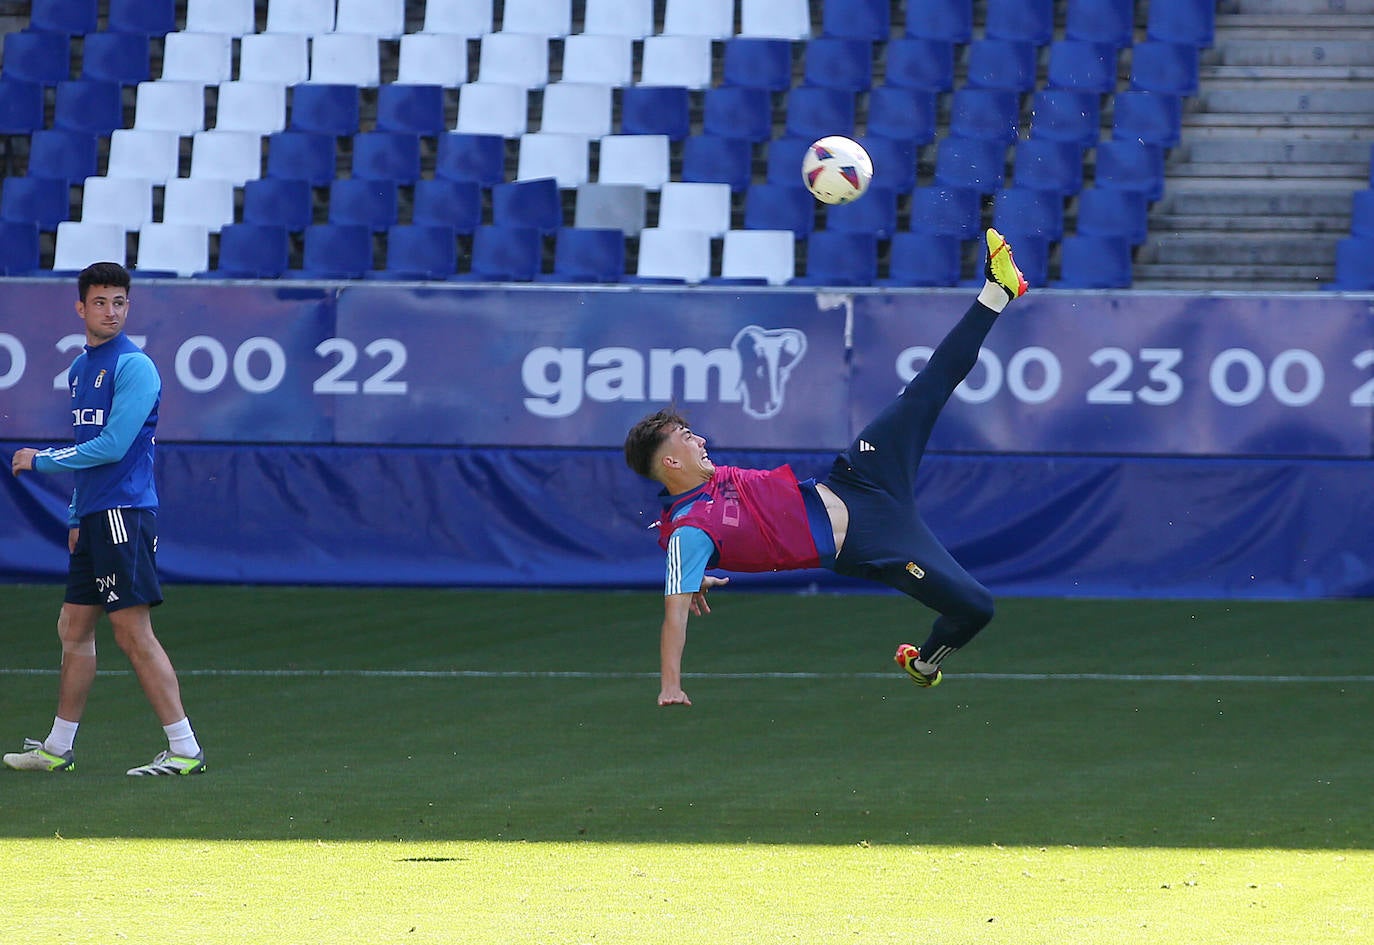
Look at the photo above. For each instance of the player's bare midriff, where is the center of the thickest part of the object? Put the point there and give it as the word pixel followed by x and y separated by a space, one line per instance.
pixel 838 512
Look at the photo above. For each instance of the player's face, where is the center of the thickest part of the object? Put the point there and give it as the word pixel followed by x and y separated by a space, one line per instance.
pixel 103 310
pixel 688 450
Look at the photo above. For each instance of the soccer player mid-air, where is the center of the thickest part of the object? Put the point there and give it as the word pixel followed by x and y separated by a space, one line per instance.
pixel 861 520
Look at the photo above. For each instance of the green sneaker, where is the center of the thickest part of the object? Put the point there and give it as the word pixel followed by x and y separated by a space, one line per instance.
pixel 1001 268
pixel 35 757
pixel 168 763
pixel 906 657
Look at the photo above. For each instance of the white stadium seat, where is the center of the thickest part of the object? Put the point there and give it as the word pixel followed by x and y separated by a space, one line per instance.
pixel 695 206
pixel 384 19
pixel 577 108
pixel 227 155
pixel 515 59
pixel 251 106
pixel 151 155
pixel 598 60
pixel 634 159
pixel 198 57
pixel 551 19
pixel 632 18
pixel 674 254
pixel 433 59
pixel 78 245
pixel 274 57
pixel 234 17
pixel 485 108
pixel 467 18
pixel 346 59
pixel 123 201
pixel 304 17
pixel 677 60
pixel 759 254
pixel 182 248
pixel 170 106
pixel 560 156
pixel 203 202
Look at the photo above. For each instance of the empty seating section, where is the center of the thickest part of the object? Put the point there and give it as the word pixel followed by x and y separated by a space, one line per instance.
pixel 591 140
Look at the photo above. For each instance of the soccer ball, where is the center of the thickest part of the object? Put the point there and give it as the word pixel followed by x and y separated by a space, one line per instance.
pixel 836 170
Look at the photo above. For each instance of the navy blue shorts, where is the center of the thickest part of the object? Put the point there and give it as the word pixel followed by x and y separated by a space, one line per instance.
pixel 115 562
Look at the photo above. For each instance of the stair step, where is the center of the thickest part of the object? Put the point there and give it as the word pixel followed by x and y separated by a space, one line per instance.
pixel 1260 120
pixel 1279 249
pixel 1347 151
pixel 1290 52
pixel 1248 131
pixel 1350 175
pixel 1328 75
pixel 1232 8
pixel 1245 98
pixel 1249 223
pixel 1284 201
pixel 1286 25
pixel 1245 277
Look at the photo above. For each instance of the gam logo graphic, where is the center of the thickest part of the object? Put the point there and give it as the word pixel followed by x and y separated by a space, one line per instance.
pixel 752 371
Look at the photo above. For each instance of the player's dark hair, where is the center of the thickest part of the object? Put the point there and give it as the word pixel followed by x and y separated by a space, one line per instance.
pixel 102 273
pixel 645 438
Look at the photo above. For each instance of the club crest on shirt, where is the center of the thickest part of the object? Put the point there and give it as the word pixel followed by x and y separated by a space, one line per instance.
pixel 99 379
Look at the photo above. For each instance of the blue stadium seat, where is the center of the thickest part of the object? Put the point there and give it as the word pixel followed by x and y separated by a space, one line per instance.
pixel 840 259
pixel 1101 21
pixel 833 62
pixel 149 17
pixel 780 207
pixel 45 201
pixel 940 19
pixel 1131 165
pixel 504 254
pixel 1093 262
pixel 323 108
pixel 987 114
pixel 1032 256
pixel 758 63
pixel 18 248
pixel 1354 265
pixel 973 163
pixel 451 203
pixel 814 113
pixel 533 204
pixel 279 201
pixel 1038 212
pixel 712 159
pixel 1041 164
pixel 1002 64
pixel 387 155
pixel 1030 21
pixel 251 251
pixel 45 58
pixel 301 155
pixel 947 211
pixel 916 63
pixel 1105 212
pixel 875 212
pixel 88 105
pixel 21 106
pixel 785 157
pixel 116 57
pixel 903 114
pixel 67 155
pixel 655 110
pixel 1361 213
pixel 419 252
pixel 1183 21
pixel 857 19
pixel 1082 65
pixel 413 109
pixel 588 255
pixel 923 259
pixel 480 158
pixel 1066 115
pixel 355 201
pixel 894 162
pixel 736 111
pixel 1154 117
pixel 335 251
pixel 1159 66
pixel 68 17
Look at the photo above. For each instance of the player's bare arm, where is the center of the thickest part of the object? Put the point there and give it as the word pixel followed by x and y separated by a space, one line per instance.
pixel 22 461
pixel 672 641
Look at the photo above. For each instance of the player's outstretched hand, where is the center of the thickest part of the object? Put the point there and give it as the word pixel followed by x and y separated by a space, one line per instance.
pixel 673 697
pixel 22 460
pixel 699 605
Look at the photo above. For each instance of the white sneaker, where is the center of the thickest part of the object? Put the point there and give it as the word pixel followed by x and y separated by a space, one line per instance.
pixel 35 757
pixel 168 763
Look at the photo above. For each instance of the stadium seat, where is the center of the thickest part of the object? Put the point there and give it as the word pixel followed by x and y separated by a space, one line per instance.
pixel 598 60
pixel 875 212
pixel 301 155
pixel 77 245
pixel 674 255
pixel 836 63
pixel 632 19
pixel 709 158
pixel 453 203
pixel 894 162
pixel 179 248
pixel 785 156
pixel 227 155
pixel 610 206
pixel 1354 272
pixel 274 57
pixel 304 17
pixel 1041 164
pixel 1183 21
pixel 1082 65
pixel 419 252
pixel 387 155
pixel 355 201
pixel 985 114
pixel 432 59
pixel 563 157
pixel 1131 165
pixel 259 107
pixel 916 63
pixel 815 113
pixel 840 259
pixel 587 255
pixel 1361 213
pixel 170 106
pixel 345 59
pixel 1006 64
pixel 1094 262
pixel 577 108
pixel 122 201
pixel 234 17
pixel 206 58
pixel 780 207
pixel 689 206
pixel 947 211
pixel 114 57
pixel 766 256
pixel 279 201
pixel 1038 212
pixel 514 59
pixel 634 159
pixel 45 201
pixel 1101 21
pixel 712 19
pixel 334 251
pixel 67 17
pixel 655 110
pixel 551 19
pixel 903 114
pixel 676 60
pixel 923 259
pixel 1159 66
pixel 471 157
pixel 971 163
pixel 325 109
pixel 21 106
pixel 504 254
pixel 775 19
pixel 251 251
pixel 488 109
pixel 735 111
pixel 148 155
pixel 1066 115
pixel 18 248
pixel 66 155
pixel 940 19
pixel 1030 21
pixel 383 19
pixel 1105 212
pixel 45 58
pixel 533 204
pixel 206 203
pixel 758 63
pixel 1154 117
pixel 470 19
pixel 857 19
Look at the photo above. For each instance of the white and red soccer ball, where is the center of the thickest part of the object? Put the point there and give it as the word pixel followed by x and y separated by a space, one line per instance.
pixel 836 169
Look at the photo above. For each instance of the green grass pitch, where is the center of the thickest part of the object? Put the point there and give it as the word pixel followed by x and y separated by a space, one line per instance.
pixel 458 766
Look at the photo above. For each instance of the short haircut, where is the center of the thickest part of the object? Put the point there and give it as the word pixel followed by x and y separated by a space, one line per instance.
pixel 646 437
pixel 102 273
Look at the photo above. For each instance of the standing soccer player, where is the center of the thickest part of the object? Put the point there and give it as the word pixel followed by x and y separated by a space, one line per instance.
pixel 112 539
pixel 861 520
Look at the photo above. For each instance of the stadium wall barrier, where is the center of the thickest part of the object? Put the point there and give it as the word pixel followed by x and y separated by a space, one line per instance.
pixel 1133 445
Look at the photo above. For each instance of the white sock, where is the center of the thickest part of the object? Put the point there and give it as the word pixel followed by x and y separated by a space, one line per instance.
pixel 62 736
pixel 927 669
pixel 993 296
pixel 181 740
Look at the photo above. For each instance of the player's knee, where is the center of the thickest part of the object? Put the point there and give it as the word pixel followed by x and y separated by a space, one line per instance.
pixel 977 611
pixel 74 635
